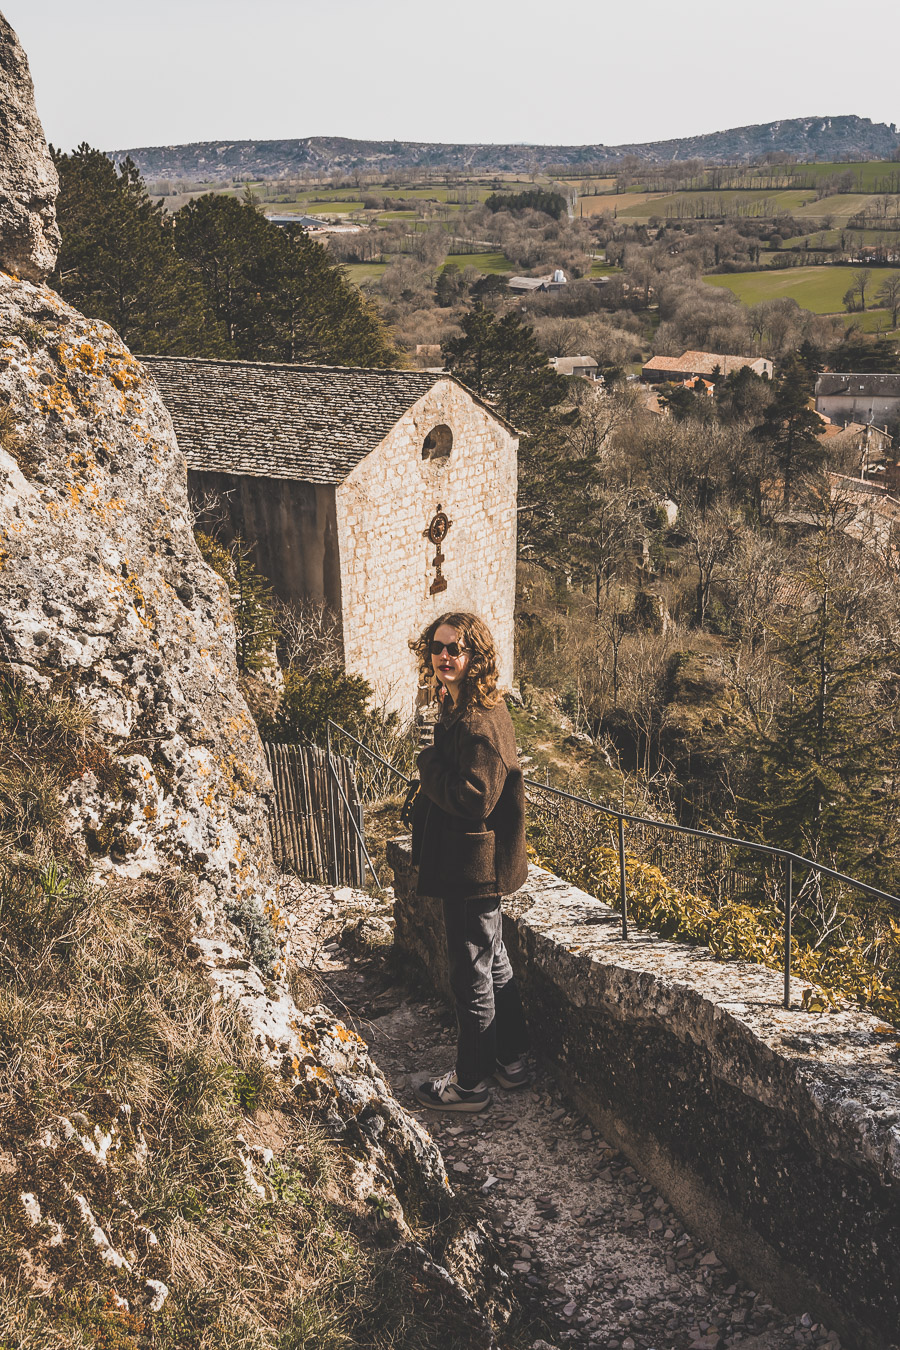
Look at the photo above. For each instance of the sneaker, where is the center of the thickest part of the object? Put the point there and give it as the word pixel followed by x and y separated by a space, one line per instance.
pixel 445 1094
pixel 512 1075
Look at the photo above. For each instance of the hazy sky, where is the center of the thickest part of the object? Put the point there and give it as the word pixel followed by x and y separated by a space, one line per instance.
pixel 124 73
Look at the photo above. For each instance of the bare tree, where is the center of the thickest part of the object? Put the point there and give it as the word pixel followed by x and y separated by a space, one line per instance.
pixel 888 294
pixel 309 636
pixel 861 281
pixel 712 535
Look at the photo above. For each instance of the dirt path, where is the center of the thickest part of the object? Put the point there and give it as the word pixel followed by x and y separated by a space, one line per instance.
pixel 589 1239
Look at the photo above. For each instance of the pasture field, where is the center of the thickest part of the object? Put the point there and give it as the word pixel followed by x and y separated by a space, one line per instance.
pixel 840 207
pixel 869 174
pixel 579 179
pixel 485 262
pixel 360 272
pixel 817 238
pixel 615 203
pixel 820 289
pixel 746 202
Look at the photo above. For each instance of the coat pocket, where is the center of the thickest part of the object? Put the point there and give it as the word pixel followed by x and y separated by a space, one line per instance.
pixel 468 862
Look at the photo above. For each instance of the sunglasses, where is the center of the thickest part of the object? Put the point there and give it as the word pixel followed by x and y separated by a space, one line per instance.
pixel 451 648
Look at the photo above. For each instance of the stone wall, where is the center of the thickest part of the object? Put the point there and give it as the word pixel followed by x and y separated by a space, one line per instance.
pixel 383 509
pixel 774 1133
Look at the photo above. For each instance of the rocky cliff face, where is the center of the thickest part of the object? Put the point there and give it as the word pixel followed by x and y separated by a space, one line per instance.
pixel 101 586
pixel 107 608
pixel 29 239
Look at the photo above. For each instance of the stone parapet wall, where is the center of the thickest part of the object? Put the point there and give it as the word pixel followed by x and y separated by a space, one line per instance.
pixel 774 1133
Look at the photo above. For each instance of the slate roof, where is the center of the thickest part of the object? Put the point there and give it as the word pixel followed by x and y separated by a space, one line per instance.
pixel 311 423
pixel 832 382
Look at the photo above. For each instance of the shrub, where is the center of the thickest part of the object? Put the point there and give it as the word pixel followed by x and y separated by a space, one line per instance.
pixel 310 700
pixel 862 965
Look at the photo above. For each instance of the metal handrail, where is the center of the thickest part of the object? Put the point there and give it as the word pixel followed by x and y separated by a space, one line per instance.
pixel 768 850
pixel 335 781
pixel 787 856
pixel 373 754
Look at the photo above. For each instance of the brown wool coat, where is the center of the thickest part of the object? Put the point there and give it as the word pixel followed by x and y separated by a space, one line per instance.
pixel 469 818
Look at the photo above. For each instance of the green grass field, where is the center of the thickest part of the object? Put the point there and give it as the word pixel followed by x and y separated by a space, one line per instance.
pixel 820 289
pixel 360 272
pixel 870 174
pixel 838 207
pixel 818 238
pixel 750 202
pixel 485 262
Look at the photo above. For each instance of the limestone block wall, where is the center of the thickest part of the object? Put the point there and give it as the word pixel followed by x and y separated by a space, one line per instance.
pixel 383 509
pixel 775 1134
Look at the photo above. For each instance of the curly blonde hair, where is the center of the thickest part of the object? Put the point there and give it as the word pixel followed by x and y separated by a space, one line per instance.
pixel 480 685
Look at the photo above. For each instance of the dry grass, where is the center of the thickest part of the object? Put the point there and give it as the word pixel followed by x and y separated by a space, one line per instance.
pixel 100 1009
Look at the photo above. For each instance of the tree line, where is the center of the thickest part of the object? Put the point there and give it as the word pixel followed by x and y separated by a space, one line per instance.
pixel 215 279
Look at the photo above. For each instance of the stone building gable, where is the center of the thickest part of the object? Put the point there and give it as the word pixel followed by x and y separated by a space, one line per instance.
pixel 311 424
pixel 387 565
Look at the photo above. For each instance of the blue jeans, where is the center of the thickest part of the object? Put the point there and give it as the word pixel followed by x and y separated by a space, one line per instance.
pixel 488 1009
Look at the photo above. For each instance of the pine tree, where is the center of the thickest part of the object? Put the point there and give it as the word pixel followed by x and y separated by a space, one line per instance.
pixel 320 314
pixel 821 771
pixel 865 355
pixel 118 261
pixel 500 360
pixel 791 427
pixel 228 247
pixel 275 291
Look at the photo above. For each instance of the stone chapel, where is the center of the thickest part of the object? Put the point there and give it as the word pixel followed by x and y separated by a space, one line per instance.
pixel 388 494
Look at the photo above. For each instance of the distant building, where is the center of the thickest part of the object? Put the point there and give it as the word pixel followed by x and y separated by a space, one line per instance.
pixel 585 366
pixel 867 448
pixel 873 399
pixel 701 365
pixel 555 282
pixel 308 222
pixel 388 494
pixel 316 224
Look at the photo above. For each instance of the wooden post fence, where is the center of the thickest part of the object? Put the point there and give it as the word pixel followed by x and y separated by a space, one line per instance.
pixel 311 828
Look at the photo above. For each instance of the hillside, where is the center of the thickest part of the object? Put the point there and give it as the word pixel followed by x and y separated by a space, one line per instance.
pixel 829 138
pixel 193 1152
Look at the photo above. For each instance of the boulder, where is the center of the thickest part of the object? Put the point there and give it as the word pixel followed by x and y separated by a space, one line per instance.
pixel 103 587
pixel 29 238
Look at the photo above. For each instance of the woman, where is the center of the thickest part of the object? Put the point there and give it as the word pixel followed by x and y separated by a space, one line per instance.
pixel 469 846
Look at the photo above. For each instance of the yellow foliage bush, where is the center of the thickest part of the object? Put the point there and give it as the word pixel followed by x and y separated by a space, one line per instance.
pixel 732 931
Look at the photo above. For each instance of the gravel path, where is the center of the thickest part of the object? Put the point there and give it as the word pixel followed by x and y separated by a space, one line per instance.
pixel 589 1240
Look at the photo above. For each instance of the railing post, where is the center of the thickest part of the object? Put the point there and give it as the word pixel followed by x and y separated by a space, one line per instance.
pixel 332 810
pixel 623 889
pixel 361 851
pixel 788 908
